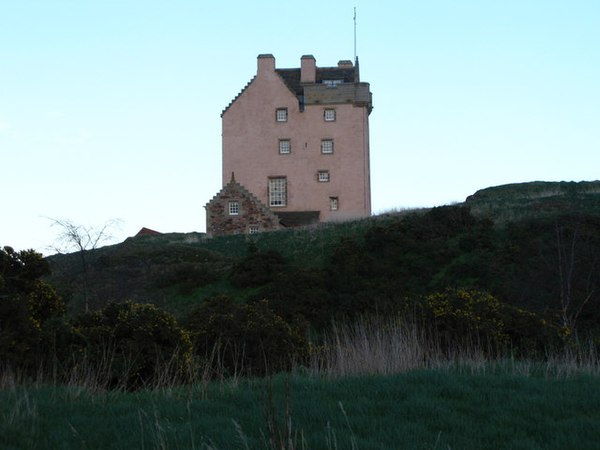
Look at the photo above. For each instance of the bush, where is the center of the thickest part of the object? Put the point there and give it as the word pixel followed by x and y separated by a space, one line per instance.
pixel 457 313
pixel 27 306
pixel 134 344
pixel 301 295
pixel 249 339
pixel 462 315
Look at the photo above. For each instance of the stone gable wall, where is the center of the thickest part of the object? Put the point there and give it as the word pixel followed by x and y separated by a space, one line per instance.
pixel 251 213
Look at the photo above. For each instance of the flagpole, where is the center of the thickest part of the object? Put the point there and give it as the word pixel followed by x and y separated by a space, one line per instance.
pixel 355 34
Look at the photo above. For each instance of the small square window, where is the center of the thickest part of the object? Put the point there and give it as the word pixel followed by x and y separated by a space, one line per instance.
pixel 334 203
pixel 327 146
pixel 285 146
pixel 329 115
pixel 281 115
pixel 323 176
pixel 253 229
pixel 234 208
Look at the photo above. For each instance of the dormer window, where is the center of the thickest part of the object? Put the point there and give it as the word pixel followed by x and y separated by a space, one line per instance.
pixel 281 114
pixel 332 83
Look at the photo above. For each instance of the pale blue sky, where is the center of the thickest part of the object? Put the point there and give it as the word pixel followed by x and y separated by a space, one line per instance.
pixel 111 109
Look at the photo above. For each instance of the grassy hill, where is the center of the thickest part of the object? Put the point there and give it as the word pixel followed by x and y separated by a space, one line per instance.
pixel 513 202
pixel 450 327
pixel 177 271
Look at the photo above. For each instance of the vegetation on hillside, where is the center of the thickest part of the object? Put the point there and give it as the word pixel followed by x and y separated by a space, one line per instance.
pixel 417 394
pixel 440 328
pixel 30 309
pixel 161 306
pixel 513 202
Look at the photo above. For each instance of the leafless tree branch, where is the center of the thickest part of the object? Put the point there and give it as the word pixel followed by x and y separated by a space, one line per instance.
pixel 81 239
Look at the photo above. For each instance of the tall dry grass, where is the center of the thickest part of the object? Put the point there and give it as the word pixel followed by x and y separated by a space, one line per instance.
pixel 386 346
pixel 114 371
pixel 368 346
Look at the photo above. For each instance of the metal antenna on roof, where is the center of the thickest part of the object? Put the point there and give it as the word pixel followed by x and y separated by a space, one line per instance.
pixel 355 34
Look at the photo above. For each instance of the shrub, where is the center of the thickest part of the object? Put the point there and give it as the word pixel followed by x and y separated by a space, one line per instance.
pixel 27 306
pixel 250 339
pixel 135 344
pixel 301 295
pixel 458 313
pixel 468 314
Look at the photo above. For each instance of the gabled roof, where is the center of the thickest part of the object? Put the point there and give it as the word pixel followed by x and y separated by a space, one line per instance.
pixel 284 218
pixel 291 78
pixel 147 231
pixel 237 96
pixel 234 186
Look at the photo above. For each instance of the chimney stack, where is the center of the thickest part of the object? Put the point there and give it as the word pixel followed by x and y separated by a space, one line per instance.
pixel 308 69
pixel 266 64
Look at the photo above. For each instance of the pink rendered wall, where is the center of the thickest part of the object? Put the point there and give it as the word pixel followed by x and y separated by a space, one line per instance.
pixel 251 148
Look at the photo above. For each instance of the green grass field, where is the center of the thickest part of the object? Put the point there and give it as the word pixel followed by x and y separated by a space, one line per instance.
pixel 424 409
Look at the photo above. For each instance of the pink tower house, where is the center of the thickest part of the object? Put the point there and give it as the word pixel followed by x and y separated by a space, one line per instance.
pixel 298 141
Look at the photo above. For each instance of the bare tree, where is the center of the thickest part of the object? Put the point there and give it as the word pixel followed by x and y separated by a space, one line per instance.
pixel 576 277
pixel 81 239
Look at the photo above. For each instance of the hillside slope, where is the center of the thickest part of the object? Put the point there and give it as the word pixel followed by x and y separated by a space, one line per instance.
pixel 512 202
pixel 502 240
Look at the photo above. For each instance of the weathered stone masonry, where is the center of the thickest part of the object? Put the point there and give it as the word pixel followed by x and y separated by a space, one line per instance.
pixel 252 216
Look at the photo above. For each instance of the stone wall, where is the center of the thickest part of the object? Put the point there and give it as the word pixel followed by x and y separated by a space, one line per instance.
pixel 253 216
pixel 355 93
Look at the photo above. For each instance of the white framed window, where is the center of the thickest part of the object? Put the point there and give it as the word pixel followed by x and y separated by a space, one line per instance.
pixel 253 229
pixel 278 191
pixel 332 83
pixel 234 208
pixel 329 115
pixel 327 146
pixel 334 203
pixel 281 114
pixel 285 146
pixel 323 176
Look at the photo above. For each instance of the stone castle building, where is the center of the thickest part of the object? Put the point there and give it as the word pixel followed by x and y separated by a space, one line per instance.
pixel 295 149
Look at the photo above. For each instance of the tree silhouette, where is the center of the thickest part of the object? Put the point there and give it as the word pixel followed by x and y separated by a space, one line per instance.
pixel 81 239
